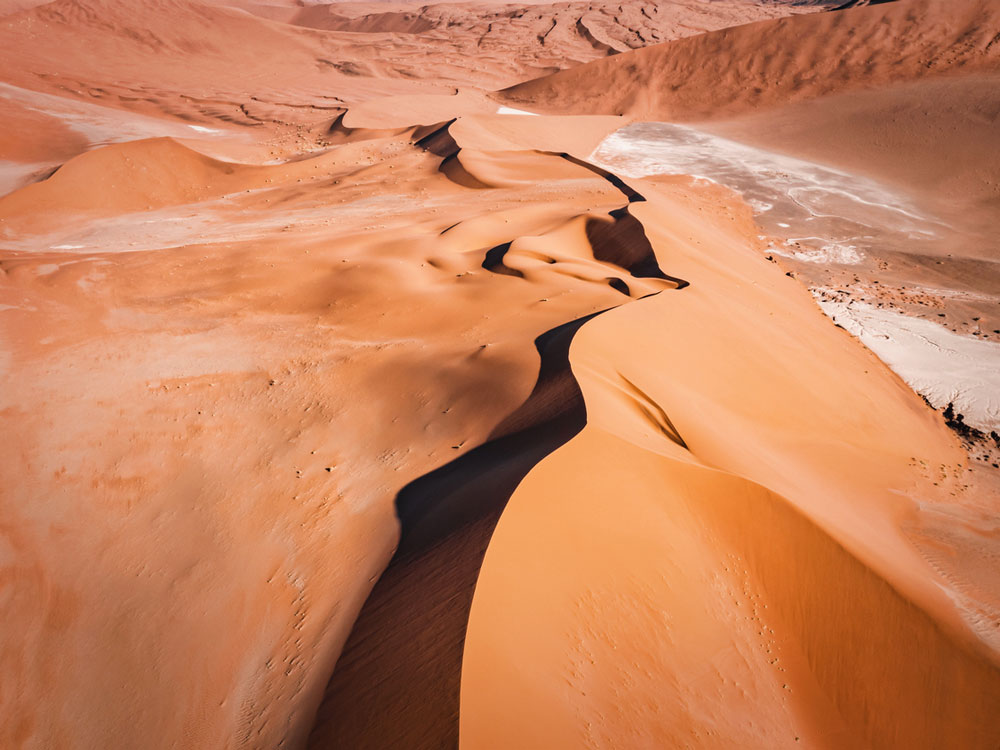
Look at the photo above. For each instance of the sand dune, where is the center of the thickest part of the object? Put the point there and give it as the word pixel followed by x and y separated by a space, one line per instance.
pixel 919 116
pixel 513 41
pixel 189 63
pixel 679 519
pixel 734 71
pixel 287 613
pixel 210 65
pixel 348 408
pixel 130 177
pixel 861 244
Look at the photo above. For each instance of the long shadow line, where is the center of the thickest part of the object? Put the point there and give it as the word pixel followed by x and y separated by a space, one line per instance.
pixel 397 682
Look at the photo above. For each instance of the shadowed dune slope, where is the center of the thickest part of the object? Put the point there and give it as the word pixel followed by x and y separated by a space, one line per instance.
pixel 273 395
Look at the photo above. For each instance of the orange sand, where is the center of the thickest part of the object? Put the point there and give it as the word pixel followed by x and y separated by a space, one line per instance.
pixel 289 313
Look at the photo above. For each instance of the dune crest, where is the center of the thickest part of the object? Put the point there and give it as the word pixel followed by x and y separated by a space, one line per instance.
pixel 670 515
pixel 349 407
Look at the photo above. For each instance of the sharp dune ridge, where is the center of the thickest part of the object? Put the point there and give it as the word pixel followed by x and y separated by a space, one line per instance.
pixel 347 411
pixel 612 447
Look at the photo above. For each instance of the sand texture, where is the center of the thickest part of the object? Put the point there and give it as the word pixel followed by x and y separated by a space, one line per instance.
pixel 547 375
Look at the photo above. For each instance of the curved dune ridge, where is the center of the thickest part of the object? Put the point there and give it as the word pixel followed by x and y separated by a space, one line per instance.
pixel 345 411
pixel 679 583
pixel 196 349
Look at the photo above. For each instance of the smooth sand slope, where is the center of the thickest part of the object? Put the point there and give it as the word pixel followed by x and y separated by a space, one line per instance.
pixel 712 563
pixel 288 314
pixel 774 62
pixel 918 116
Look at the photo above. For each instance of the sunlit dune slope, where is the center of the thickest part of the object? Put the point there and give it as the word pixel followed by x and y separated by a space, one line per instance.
pixel 181 357
pixel 289 313
pixel 205 61
pixel 496 43
pixel 736 70
pixel 722 557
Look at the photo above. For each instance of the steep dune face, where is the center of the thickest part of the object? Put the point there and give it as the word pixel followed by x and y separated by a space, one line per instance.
pixel 733 71
pixel 289 313
pixel 242 328
pixel 908 99
pixel 705 565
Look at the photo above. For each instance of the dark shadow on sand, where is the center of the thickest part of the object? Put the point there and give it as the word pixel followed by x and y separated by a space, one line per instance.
pixel 396 684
